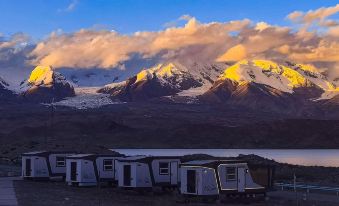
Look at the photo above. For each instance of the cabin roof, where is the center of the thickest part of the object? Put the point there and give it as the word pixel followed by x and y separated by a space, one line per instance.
pixel 147 158
pixel 199 162
pixel 79 156
pixel 212 163
pixel 90 156
pixel 34 152
pixel 46 153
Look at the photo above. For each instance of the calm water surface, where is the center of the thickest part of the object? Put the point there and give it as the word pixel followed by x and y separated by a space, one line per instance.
pixel 308 157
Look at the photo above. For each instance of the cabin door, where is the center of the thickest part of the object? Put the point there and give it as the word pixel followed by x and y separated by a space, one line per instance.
pixel 127 175
pixel 28 171
pixel 73 171
pixel 241 179
pixel 174 173
pixel 191 181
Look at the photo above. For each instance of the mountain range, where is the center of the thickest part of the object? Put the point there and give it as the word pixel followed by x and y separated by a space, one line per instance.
pixel 263 84
pixel 251 83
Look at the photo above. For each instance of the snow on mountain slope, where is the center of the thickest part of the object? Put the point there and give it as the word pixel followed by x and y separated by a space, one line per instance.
pixel 6 90
pixel 3 84
pixel 173 74
pixel 93 77
pixel 85 98
pixel 168 79
pixel 44 84
pixel 284 77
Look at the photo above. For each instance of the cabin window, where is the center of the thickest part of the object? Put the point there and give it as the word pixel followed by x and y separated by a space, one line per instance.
pixel 163 168
pixel 60 161
pixel 231 174
pixel 108 165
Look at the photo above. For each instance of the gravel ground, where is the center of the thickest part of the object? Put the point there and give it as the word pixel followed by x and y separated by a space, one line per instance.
pixel 58 194
pixel 9 170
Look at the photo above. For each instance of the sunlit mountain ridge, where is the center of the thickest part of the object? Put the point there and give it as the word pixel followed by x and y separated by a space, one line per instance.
pixel 285 77
pixel 46 85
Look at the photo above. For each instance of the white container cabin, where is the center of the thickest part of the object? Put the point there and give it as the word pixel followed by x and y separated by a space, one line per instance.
pixel 44 165
pixel 147 172
pixel 91 169
pixel 215 178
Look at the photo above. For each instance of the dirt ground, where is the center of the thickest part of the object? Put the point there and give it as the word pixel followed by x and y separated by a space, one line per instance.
pixel 30 193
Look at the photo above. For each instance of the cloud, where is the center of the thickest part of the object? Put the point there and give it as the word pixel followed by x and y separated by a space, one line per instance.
pixel 15 41
pixel 106 49
pixel 315 17
pixel 70 6
pixel 235 53
pixel 14 52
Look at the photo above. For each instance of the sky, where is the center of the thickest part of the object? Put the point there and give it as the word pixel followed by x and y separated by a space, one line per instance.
pixel 126 34
pixel 38 18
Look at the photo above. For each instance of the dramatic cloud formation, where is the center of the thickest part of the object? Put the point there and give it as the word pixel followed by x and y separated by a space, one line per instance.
pixel 195 41
pixel 106 49
pixel 318 16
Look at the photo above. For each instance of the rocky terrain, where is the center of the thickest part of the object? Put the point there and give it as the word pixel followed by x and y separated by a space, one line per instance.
pixel 158 125
pixel 45 85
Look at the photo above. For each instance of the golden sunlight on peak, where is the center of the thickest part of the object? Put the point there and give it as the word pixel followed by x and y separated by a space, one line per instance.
pixel 295 79
pixel 161 70
pixel 166 70
pixel 40 73
pixel 143 75
pixel 267 65
pixel 240 71
pixel 233 72
pixel 308 67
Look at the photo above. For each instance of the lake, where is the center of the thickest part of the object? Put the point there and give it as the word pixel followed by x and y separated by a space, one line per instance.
pixel 307 157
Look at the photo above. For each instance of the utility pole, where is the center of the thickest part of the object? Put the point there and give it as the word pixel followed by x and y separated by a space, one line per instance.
pixel 295 188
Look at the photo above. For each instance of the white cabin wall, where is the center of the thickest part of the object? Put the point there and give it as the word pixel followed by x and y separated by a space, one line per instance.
pixel 183 179
pixel 39 167
pixel 209 185
pixel 227 185
pixel 119 173
pixel 249 183
pixel 52 161
pixel 141 175
pixel 155 168
pixel 100 166
pixel 86 172
pixel 116 170
pixel 68 170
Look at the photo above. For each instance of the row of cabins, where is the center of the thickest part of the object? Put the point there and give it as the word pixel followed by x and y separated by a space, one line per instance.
pixel 192 178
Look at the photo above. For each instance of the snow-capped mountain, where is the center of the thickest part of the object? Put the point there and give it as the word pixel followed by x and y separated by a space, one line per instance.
pixel 163 80
pixel 262 81
pixel 92 77
pixel 46 85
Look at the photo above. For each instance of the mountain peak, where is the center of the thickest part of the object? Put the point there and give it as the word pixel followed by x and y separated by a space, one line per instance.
pixel 44 85
pixel 284 77
pixel 41 75
pixel 164 70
